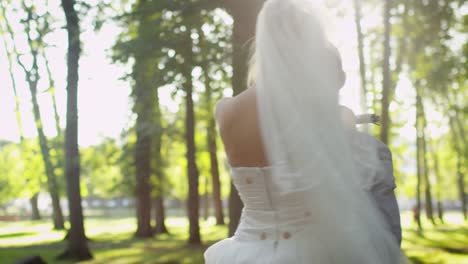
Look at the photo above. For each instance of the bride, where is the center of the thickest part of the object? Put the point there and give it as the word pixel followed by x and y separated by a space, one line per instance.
pixel 290 155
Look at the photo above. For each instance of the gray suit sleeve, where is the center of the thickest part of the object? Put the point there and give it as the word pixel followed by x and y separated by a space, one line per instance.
pixel 383 192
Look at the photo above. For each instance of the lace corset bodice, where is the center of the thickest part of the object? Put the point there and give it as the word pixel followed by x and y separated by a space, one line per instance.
pixel 269 214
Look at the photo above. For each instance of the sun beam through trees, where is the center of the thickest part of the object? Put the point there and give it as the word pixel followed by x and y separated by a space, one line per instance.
pixel 107 120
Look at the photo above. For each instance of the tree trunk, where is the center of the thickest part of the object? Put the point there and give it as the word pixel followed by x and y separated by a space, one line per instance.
pixel 57 214
pixel 462 150
pixel 427 189
pixel 373 82
pixel 362 61
pixel 440 209
pixel 206 201
pixel 35 215
pixel 193 203
pixel 143 107
pixel 400 53
pixel 386 84
pixel 32 78
pixel 216 183
pixel 212 149
pixel 77 248
pixel 160 216
pixel 52 90
pixel 456 135
pixel 460 175
pixel 457 123
pixel 461 186
pixel 419 170
pixel 244 14
pixel 461 131
pixel 143 170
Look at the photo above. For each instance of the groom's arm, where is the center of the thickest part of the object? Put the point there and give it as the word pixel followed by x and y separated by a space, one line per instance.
pixel 384 192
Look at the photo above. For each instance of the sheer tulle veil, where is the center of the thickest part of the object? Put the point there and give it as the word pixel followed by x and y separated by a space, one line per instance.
pixel 306 142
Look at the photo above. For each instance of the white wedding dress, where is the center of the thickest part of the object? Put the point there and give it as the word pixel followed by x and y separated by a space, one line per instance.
pixel 272 225
pixel 275 227
pixel 309 206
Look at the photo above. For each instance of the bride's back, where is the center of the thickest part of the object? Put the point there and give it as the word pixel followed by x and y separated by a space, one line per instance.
pixel 239 127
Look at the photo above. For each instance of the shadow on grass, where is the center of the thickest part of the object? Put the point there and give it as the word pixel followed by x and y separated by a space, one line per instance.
pixel 415 260
pixel 462 251
pixel 130 250
pixel 47 251
pixel 437 244
pixel 18 234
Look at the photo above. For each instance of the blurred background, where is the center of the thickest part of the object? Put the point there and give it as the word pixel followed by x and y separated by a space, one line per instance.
pixel 137 147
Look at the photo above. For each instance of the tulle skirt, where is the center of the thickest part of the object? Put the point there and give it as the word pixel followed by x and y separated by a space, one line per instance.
pixel 306 246
pixel 300 248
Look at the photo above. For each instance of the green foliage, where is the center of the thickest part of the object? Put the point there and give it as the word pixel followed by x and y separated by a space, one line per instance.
pixel 33 167
pixel 21 170
pixel 127 164
pixel 10 187
pixel 102 172
pixel 159 43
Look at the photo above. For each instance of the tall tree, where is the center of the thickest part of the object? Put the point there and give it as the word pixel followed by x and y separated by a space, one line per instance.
pixel 461 148
pixel 34 200
pixel 435 160
pixel 160 225
pixel 427 182
pixel 77 247
pixel 435 62
pixel 419 166
pixel 362 61
pixel 35 214
pixel 174 34
pixel 193 203
pixel 206 199
pixel 34 22
pixel 143 108
pixel 459 166
pixel 143 93
pixel 386 83
pixel 52 90
pixel 211 56
pixel 212 149
pixel 151 33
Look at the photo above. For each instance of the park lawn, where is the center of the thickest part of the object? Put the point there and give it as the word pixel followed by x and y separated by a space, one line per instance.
pixel 112 241
pixel 443 244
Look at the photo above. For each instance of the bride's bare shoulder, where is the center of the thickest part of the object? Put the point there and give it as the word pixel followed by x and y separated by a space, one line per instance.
pixel 227 107
pixel 223 113
pixel 222 106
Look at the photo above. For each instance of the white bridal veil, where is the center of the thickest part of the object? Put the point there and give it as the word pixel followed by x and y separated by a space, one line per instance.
pixel 306 141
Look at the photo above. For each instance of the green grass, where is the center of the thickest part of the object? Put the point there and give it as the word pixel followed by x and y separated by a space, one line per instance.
pixel 443 244
pixel 113 241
